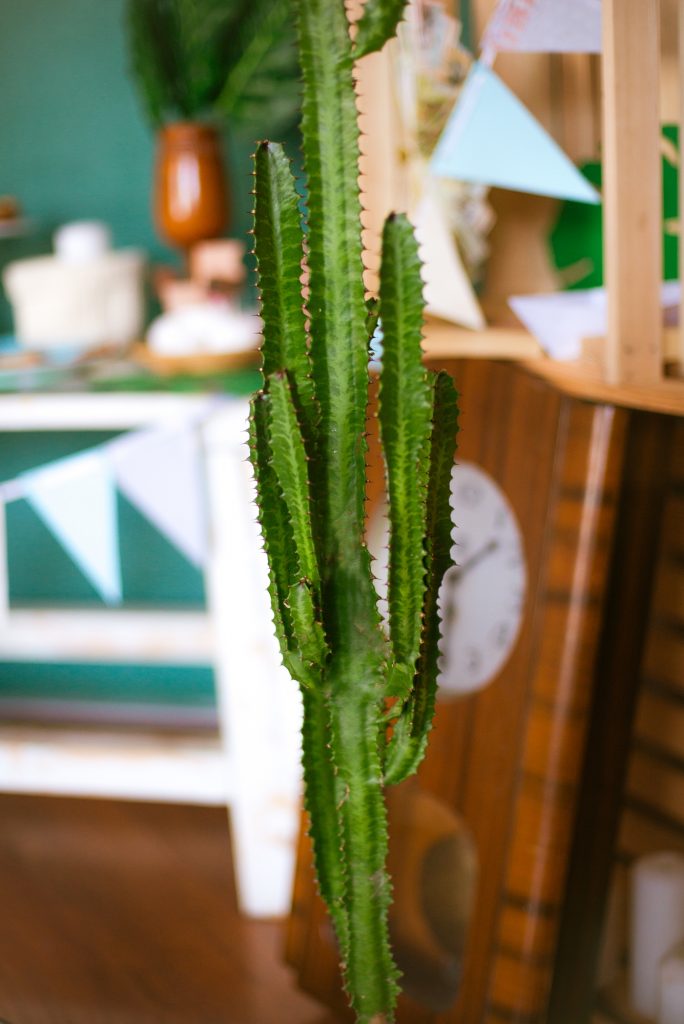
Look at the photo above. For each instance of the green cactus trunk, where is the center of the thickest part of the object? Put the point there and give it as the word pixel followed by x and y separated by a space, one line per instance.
pixel 309 455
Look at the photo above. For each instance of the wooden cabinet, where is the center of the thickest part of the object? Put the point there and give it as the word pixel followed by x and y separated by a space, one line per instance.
pixel 532 766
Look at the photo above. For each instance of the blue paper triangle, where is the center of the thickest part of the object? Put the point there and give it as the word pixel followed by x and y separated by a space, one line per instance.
pixel 76 499
pixel 492 138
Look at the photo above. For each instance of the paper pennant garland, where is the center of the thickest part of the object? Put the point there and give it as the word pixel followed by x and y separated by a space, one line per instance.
pixel 492 138
pixel 448 292
pixel 545 26
pixel 76 500
pixel 159 471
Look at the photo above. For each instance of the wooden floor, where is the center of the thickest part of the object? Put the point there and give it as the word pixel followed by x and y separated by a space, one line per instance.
pixel 124 913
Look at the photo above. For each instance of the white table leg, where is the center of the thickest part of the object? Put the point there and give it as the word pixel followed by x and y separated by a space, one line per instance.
pixel 259 707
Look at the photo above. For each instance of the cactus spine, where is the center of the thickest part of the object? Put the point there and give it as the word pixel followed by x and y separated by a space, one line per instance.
pixel 308 450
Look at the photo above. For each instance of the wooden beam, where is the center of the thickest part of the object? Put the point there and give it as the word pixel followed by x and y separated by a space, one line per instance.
pixel 632 189
pixel 680 56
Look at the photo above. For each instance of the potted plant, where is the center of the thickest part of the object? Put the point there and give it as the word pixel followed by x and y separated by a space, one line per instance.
pixel 200 64
pixel 368 694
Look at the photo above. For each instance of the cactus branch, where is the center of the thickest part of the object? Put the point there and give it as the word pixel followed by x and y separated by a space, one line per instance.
pixel 409 741
pixel 405 424
pixel 377 24
pixel 308 449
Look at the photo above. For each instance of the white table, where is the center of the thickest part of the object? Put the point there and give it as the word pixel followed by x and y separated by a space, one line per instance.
pixel 254 767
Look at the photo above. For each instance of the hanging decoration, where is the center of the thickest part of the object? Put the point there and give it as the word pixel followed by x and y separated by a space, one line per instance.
pixel 160 473
pixel 159 470
pixel 544 26
pixel 76 499
pixel 429 67
pixel 492 138
pixel 448 293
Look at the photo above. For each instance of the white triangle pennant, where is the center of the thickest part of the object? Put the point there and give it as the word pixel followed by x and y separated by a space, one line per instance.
pixel 76 499
pixel 492 138
pixel 544 26
pixel 159 471
pixel 448 292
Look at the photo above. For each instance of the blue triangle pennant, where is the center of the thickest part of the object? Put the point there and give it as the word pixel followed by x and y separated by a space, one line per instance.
pixel 492 138
pixel 76 499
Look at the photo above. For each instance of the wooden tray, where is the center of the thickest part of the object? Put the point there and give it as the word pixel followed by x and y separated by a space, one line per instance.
pixel 200 365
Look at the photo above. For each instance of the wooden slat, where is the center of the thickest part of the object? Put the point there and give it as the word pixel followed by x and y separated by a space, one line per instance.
pixel 632 189
pixel 664 395
pixel 157 637
pixel 91 411
pixel 642 832
pixel 643 493
pixel 446 341
pixel 97 763
pixel 679 78
pixel 660 724
pixel 578 106
pixel 657 784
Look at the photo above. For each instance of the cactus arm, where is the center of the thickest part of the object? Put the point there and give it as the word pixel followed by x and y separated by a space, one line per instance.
pixel 372 316
pixel 370 973
pixel 274 521
pixel 278 249
pixel 320 801
pixel 307 630
pixel 405 425
pixel 377 24
pixel 336 303
pixel 290 465
pixel 408 743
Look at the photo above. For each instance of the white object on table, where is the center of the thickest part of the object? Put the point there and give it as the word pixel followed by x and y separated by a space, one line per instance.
pixel 671 1002
pixel 207 327
pixel 561 320
pixel 82 241
pixel 58 302
pixel 657 924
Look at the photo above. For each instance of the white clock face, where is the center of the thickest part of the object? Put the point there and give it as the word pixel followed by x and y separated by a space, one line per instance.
pixel 483 594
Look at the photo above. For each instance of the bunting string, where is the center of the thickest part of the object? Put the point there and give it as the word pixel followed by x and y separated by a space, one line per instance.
pixel 158 469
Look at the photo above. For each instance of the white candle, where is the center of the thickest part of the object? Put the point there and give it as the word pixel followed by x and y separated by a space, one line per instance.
pixel 657 924
pixel 671 1008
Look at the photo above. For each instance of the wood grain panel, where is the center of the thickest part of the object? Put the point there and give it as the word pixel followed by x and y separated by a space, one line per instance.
pixel 589 485
pixel 625 634
pixel 581 520
pixel 657 782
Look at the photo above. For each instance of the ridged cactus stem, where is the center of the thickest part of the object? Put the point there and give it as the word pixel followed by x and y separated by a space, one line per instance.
pixel 309 456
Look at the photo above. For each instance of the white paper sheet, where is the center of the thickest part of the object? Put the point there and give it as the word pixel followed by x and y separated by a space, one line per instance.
pixel 560 320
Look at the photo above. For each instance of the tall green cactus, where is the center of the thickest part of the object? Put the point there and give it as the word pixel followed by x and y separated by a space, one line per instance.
pixel 368 697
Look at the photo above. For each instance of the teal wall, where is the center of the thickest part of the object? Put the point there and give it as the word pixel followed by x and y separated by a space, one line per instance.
pixel 74 143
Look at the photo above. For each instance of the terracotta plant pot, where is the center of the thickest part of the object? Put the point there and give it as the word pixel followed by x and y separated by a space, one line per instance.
pixel 190 193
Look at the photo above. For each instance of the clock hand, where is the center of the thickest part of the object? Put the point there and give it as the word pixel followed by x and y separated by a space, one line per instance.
pixel 459 571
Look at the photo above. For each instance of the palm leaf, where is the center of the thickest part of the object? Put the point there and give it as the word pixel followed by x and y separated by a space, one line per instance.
pixel 261 86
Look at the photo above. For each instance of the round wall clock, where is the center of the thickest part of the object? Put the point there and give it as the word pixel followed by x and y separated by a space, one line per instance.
pixel 483 594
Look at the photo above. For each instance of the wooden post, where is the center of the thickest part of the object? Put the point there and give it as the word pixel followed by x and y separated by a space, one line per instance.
pixel 680 59
pixel 632 190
